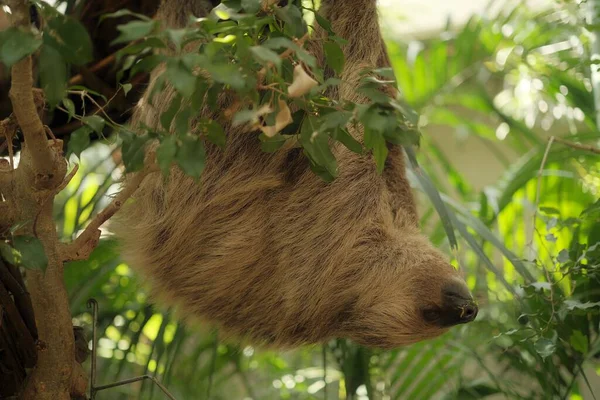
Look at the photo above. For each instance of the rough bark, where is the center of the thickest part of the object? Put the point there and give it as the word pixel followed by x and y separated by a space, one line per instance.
pixel 30 191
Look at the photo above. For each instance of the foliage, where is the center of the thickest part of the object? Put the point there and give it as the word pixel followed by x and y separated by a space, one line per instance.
pixel 530 243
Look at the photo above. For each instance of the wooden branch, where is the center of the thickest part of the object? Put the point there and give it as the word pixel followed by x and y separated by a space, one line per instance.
pixel 585 147
pixel 85 243
pixel 40 171
pixel 79 381
pixel 67 179
pixel 24 108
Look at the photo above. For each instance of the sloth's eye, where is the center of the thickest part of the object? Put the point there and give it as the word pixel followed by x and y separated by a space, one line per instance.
pixel 431 314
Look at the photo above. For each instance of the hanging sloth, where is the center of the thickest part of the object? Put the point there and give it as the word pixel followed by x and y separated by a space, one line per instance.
pixel 265 250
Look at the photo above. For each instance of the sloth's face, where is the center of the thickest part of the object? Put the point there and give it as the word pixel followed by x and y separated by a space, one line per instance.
pixel 422 301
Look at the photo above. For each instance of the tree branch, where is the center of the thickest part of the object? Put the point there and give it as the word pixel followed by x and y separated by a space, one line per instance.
pixel 24 108
pixel 85 243
pixel 585 147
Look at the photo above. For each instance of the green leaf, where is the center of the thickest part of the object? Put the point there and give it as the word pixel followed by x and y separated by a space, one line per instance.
pixel 70 38
pixel 166 153
pixel 166 118
pixel 53 75
pixel 135 30
pixel 324 23
pixel 271 144
pixel 70 106
pixel 176 36
pixel 215 134
pixel 133 151
pixel 579 342
pixel 335 120
pixel 244 116
pixel 95 122
pixel 265 56
pixel 574 304
pixel 445 214
pixel 181 78
pixel 182 121
pixel 545 347
pixel 79 140
pixel 122 13
pixel 316 145
pixel 191 156
pixel 33 255
pixel 16 44
pixel 229 74
pixel 294 20
pixel 251 6
pixel 126 88
pixel 344 137
pixel 375 141
pixel 334 56
pixel 147 64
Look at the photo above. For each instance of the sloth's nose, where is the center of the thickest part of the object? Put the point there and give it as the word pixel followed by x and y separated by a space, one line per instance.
pixel 459 306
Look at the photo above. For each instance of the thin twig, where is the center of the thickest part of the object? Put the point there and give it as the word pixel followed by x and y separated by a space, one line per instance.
pixel 81 245
pixel 67 179
pixel 585 147
pixel 539 187
pixel 100 108
pixel 535 214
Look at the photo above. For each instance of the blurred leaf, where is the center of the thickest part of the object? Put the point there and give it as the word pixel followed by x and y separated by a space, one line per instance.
pixel 79 140
pixel 95 122
pixel 165 154
pixel 434 196
pixel 215 134
pixel 545 347
pixel 16 44
pixel 53 75
pixel 70 38
pixel 334 56
pixel 579 342
pixel 134 30
pixel 191 156
pixel 32 253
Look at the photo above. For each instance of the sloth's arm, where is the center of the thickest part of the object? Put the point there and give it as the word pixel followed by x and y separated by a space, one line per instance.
pixel 357 21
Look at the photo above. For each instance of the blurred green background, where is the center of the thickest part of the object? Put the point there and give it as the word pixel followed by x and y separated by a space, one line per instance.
pixel 491 87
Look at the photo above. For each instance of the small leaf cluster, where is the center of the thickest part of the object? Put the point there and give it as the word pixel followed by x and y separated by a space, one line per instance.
pixel 560 316
pixel 255 57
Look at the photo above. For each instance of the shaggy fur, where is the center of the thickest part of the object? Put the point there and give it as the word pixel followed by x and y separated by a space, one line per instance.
pixel 266 250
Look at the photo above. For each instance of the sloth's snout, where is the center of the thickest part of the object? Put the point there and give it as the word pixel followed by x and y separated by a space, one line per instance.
pixel 458 306
pixel 458 303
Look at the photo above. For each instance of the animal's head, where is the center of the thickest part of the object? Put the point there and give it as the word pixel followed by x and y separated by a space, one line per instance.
pixel 418 295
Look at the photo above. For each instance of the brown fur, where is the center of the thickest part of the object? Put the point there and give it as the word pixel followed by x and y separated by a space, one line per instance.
pixel 266 250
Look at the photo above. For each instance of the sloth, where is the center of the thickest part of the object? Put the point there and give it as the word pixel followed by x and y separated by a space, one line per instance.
pixel 265 250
